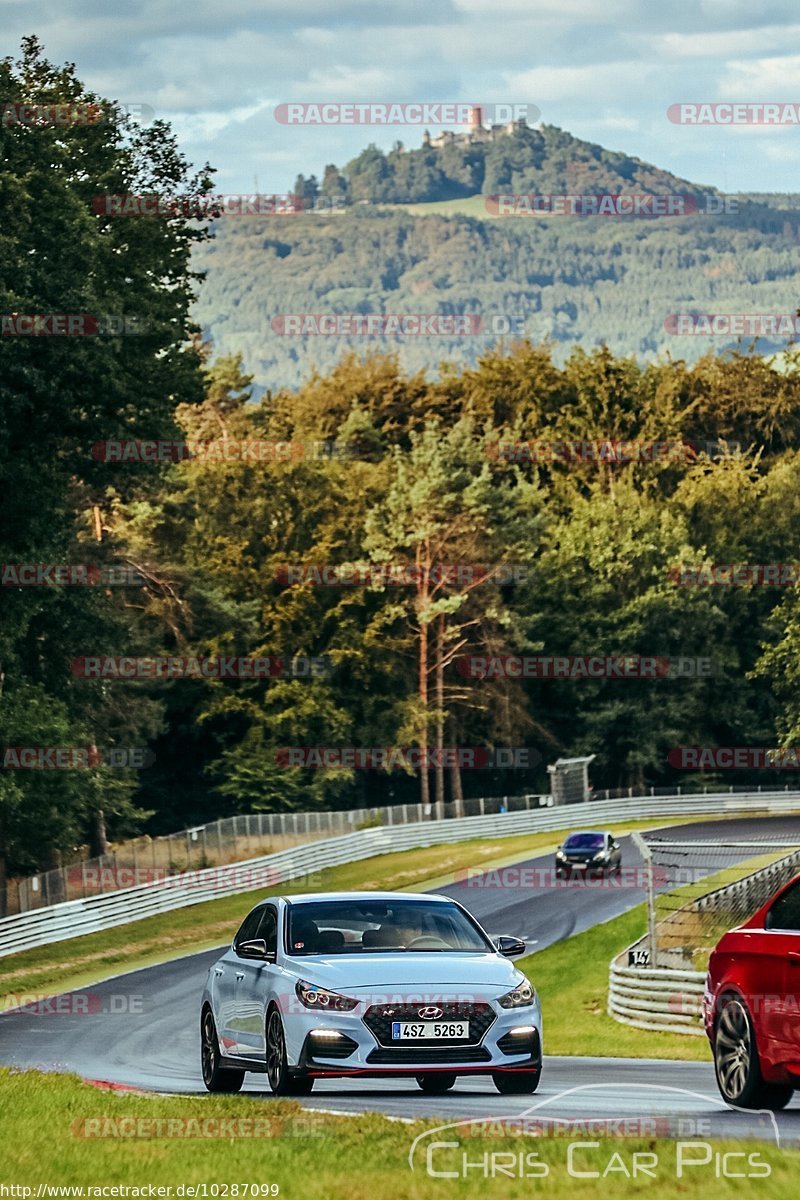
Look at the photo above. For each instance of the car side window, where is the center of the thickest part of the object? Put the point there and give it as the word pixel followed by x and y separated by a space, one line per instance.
pixel 249 926
pixel 785 912
pixel 268 929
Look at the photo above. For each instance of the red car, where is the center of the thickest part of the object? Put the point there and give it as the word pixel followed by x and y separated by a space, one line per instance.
pixel 751 1005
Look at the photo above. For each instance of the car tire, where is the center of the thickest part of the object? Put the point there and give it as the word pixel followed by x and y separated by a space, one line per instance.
pixel 517 1083
pixel 435 1084
pixel 215 1077
pixel 736 1062
pixel 279 1078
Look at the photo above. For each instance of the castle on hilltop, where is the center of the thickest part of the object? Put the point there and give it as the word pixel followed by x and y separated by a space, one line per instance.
pixel 477 132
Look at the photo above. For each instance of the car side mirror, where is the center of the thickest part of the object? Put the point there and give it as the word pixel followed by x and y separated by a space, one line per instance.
pixel 509 947
pixel 255 948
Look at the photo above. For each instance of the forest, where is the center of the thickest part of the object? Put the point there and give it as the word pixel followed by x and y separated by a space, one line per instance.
pixel 370 535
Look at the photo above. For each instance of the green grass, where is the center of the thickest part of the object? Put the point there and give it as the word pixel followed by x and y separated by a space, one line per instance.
pixel 45 1119
pixel 469 206
pixel 572 980
pixel 571 977
pixel 81 961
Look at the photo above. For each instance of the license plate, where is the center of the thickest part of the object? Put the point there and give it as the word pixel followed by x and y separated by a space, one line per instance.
pixel 429 1030
pixel 578 866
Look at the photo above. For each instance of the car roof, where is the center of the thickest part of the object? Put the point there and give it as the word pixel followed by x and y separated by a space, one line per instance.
pixel 581 832
pixel 308 897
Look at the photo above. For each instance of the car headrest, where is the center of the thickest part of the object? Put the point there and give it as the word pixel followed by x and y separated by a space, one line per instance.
pixel 330 939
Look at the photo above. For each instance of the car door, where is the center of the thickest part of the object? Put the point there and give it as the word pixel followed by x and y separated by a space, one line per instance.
pixel 224 981
pixel 783 926
pixel 254 984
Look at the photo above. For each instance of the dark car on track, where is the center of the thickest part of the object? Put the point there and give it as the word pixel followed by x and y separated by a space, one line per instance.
pixel 587 852
pixel 751 1005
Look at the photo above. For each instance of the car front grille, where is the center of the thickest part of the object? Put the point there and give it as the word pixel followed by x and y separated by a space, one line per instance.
pixel 379 1017
pixel 427 1055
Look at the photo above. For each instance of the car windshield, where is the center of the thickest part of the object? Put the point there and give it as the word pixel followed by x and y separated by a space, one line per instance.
pixel 584 841
pixel 367 927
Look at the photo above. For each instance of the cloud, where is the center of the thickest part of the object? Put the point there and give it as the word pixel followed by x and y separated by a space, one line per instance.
pixel 604 70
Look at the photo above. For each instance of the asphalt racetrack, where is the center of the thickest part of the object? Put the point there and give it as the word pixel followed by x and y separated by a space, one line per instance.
pixel 142 1029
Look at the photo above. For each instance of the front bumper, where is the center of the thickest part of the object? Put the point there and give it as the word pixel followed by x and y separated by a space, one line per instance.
pixel 511 1040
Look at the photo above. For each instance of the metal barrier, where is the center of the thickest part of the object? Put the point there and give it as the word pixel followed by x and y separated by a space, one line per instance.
pixel 669 999
pixel 229 840
pixel 76 917
pixel 656 998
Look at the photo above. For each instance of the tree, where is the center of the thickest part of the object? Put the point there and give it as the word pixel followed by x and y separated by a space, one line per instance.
pixel 444 510
pixel 61 395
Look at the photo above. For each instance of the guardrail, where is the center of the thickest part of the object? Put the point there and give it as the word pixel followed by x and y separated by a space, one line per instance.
pixel 76 917
pixel 248 835
pixel 657 998
pixel 669 999
pixel 229 840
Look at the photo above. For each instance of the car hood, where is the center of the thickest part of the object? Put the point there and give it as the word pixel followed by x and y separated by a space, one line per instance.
pixel 412 971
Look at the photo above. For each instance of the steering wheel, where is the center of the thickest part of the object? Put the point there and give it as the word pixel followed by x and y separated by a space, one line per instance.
pixel 428 941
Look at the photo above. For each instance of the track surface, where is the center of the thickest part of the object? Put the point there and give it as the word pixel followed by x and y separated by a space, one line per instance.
pixel 141 1029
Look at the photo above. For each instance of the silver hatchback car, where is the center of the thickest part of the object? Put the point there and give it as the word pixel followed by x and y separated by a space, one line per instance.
pixel 368 984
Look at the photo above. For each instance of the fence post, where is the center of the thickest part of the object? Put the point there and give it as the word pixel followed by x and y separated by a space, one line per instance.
pixel 647 855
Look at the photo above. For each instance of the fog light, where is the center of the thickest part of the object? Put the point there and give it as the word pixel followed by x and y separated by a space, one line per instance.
pixel 326 1033
pixel 522 1031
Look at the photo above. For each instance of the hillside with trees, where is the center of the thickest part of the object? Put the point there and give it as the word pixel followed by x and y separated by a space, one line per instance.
pixel 387 464
pixel 575 281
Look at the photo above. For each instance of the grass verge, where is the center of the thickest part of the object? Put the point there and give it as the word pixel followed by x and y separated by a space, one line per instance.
pixel 572 980
pixel 81 961
pixel 59 1132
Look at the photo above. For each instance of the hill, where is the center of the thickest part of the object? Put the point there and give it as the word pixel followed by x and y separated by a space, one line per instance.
pixel 514 159
pixel 573 280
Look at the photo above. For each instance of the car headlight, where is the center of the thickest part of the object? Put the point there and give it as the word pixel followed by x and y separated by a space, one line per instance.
pixel 599 857
pixel 560 854
pixel 522 996
pixel 312 996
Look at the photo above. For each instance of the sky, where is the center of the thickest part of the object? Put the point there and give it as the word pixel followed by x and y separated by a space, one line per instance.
pixel 606 70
